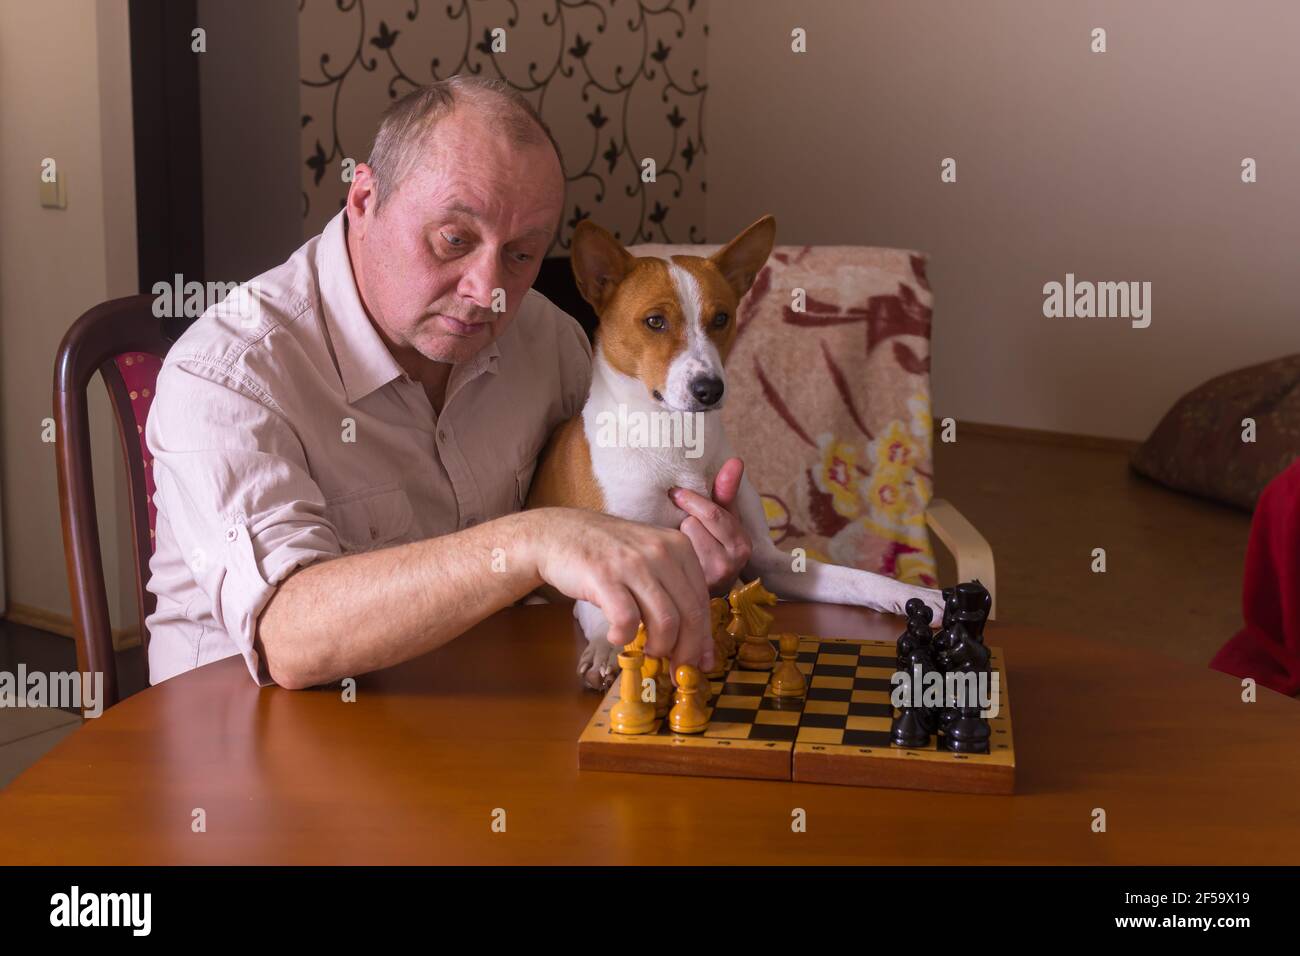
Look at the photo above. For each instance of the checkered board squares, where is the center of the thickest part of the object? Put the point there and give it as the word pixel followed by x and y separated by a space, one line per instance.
pixel 838 732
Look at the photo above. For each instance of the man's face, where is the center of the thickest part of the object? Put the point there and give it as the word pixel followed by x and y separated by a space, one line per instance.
pixel 476 214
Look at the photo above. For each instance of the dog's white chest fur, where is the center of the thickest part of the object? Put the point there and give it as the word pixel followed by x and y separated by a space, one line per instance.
pixel 634 476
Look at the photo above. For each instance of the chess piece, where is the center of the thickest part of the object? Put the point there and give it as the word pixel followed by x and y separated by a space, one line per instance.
pixel 949 607
pixel 914 722
pixel 631 715
pixel 687 716
pixel 749 625
pixel 756 654
pixel 917 634
pixel 787 679
pixel 705 692
pixel 973 605
pixel 745 600
pixel 724 646
pixel 910 729
pixel 719 634
pixel 962 652
pixel 965 730
pixel 657 668
pixel 968 732
pixel 637 644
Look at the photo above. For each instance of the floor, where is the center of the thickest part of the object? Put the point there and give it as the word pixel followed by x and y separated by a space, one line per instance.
pixel 26 735
pixel 1173 563
pixel 1172 582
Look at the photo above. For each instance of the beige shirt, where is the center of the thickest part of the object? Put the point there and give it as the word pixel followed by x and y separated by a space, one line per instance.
pixel 286 433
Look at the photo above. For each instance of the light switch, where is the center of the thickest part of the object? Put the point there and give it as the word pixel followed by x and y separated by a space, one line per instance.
pixel 53 195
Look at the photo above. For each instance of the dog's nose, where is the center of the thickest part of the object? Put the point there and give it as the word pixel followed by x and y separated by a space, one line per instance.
pixel 707 390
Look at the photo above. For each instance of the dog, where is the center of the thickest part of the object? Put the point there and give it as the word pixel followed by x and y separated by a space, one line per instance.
pixel 661 345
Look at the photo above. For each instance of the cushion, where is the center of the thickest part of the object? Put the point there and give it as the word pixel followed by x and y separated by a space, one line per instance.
pixel 1198 447
pixel 829 406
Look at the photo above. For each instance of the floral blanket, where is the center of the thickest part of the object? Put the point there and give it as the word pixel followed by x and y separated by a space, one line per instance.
pixel 828 402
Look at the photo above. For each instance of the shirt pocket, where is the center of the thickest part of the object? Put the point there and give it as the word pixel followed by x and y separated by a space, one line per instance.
pixel 370 518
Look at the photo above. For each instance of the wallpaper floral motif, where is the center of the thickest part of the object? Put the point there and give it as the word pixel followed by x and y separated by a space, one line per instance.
pixel 618 81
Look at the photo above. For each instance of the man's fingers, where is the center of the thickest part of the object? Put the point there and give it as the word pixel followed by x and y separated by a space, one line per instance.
pixel 684 580
pixel 727 481
pixel 622 613
pixel 720 522
pixel 713 557
pixel 663 618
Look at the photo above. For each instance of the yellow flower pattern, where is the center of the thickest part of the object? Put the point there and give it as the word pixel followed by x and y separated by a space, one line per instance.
pixel 837 475
pixel 884 498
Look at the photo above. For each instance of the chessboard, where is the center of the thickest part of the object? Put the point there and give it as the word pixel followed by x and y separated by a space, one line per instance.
pixel 837 732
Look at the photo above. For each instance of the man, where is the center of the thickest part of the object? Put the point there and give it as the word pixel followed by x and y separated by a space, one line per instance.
pixel 340 471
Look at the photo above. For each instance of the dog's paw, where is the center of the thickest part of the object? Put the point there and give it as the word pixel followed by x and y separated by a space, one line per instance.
pixel 897 603
pixel 598 665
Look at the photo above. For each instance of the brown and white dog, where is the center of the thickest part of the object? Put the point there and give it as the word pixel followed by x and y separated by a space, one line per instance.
pixel 665 329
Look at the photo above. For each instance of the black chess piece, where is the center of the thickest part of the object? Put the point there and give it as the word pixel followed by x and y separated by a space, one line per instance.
pixel 967 733
pixel 918 632
pixel 973 603
pixel 964 730
pixel 946 647
pixel 949 607
pixel 962 652
pixel 914 723
pixel 910 729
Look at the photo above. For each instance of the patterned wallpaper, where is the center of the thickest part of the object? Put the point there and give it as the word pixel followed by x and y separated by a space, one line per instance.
pixel 616 80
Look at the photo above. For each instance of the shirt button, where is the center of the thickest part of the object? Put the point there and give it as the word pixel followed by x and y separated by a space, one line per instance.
pixel 232 534
pixel 442 435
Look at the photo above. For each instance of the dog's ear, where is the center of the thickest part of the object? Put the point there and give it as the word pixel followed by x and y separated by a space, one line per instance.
pixel 741 258
pixel 599 263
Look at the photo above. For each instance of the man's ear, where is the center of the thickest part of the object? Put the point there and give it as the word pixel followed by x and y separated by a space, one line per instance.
pixel 599 263
pixel 741 258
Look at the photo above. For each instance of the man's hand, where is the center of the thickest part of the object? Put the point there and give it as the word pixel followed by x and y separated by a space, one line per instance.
pixel 633 572
pixel 714 529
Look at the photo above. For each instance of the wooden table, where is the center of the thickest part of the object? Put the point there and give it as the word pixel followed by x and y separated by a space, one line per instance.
pixel 413 770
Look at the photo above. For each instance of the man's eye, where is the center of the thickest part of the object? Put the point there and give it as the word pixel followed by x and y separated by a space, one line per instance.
pixel 656 322
pixel 522 257
pixel 720 320
pixel 453 240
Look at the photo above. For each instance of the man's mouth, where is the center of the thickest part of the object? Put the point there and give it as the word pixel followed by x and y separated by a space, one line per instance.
pixel 458 327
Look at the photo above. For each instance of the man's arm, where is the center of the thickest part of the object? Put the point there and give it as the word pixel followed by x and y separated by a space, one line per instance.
pixel 361 612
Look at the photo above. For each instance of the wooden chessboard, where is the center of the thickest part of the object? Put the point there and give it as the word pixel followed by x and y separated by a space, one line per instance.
pixel 837 733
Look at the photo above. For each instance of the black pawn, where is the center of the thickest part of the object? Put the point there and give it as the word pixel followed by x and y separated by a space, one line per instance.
pixel 917 634
pixel 915 723
pixel 968 734
pixel 910 728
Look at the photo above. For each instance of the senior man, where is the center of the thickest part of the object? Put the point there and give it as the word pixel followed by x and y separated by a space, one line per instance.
pixel 341 471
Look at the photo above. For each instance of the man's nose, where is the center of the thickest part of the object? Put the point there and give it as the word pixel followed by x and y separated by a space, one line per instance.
pixel 707 389
pixel 481 278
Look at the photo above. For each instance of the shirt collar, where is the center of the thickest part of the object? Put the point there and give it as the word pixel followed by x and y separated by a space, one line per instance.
pixel 364 362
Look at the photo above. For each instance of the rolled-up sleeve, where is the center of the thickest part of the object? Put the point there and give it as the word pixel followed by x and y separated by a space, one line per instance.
pixel 232 478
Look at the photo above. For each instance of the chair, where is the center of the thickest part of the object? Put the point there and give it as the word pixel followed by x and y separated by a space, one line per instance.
pixel 829 406
pixel 125 343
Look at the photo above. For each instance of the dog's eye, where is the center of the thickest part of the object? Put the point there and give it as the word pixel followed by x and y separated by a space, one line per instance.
pixel 656 322
pixel 720 320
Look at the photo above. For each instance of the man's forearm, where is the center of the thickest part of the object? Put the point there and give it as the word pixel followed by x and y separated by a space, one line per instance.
pixel 358 613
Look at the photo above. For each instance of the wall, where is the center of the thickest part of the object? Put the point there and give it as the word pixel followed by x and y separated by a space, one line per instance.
pixel 65 94
pixel 616 82
pixel 1116 166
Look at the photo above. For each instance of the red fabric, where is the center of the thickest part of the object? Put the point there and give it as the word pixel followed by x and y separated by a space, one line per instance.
pixel 140 373
pixel 1268 647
